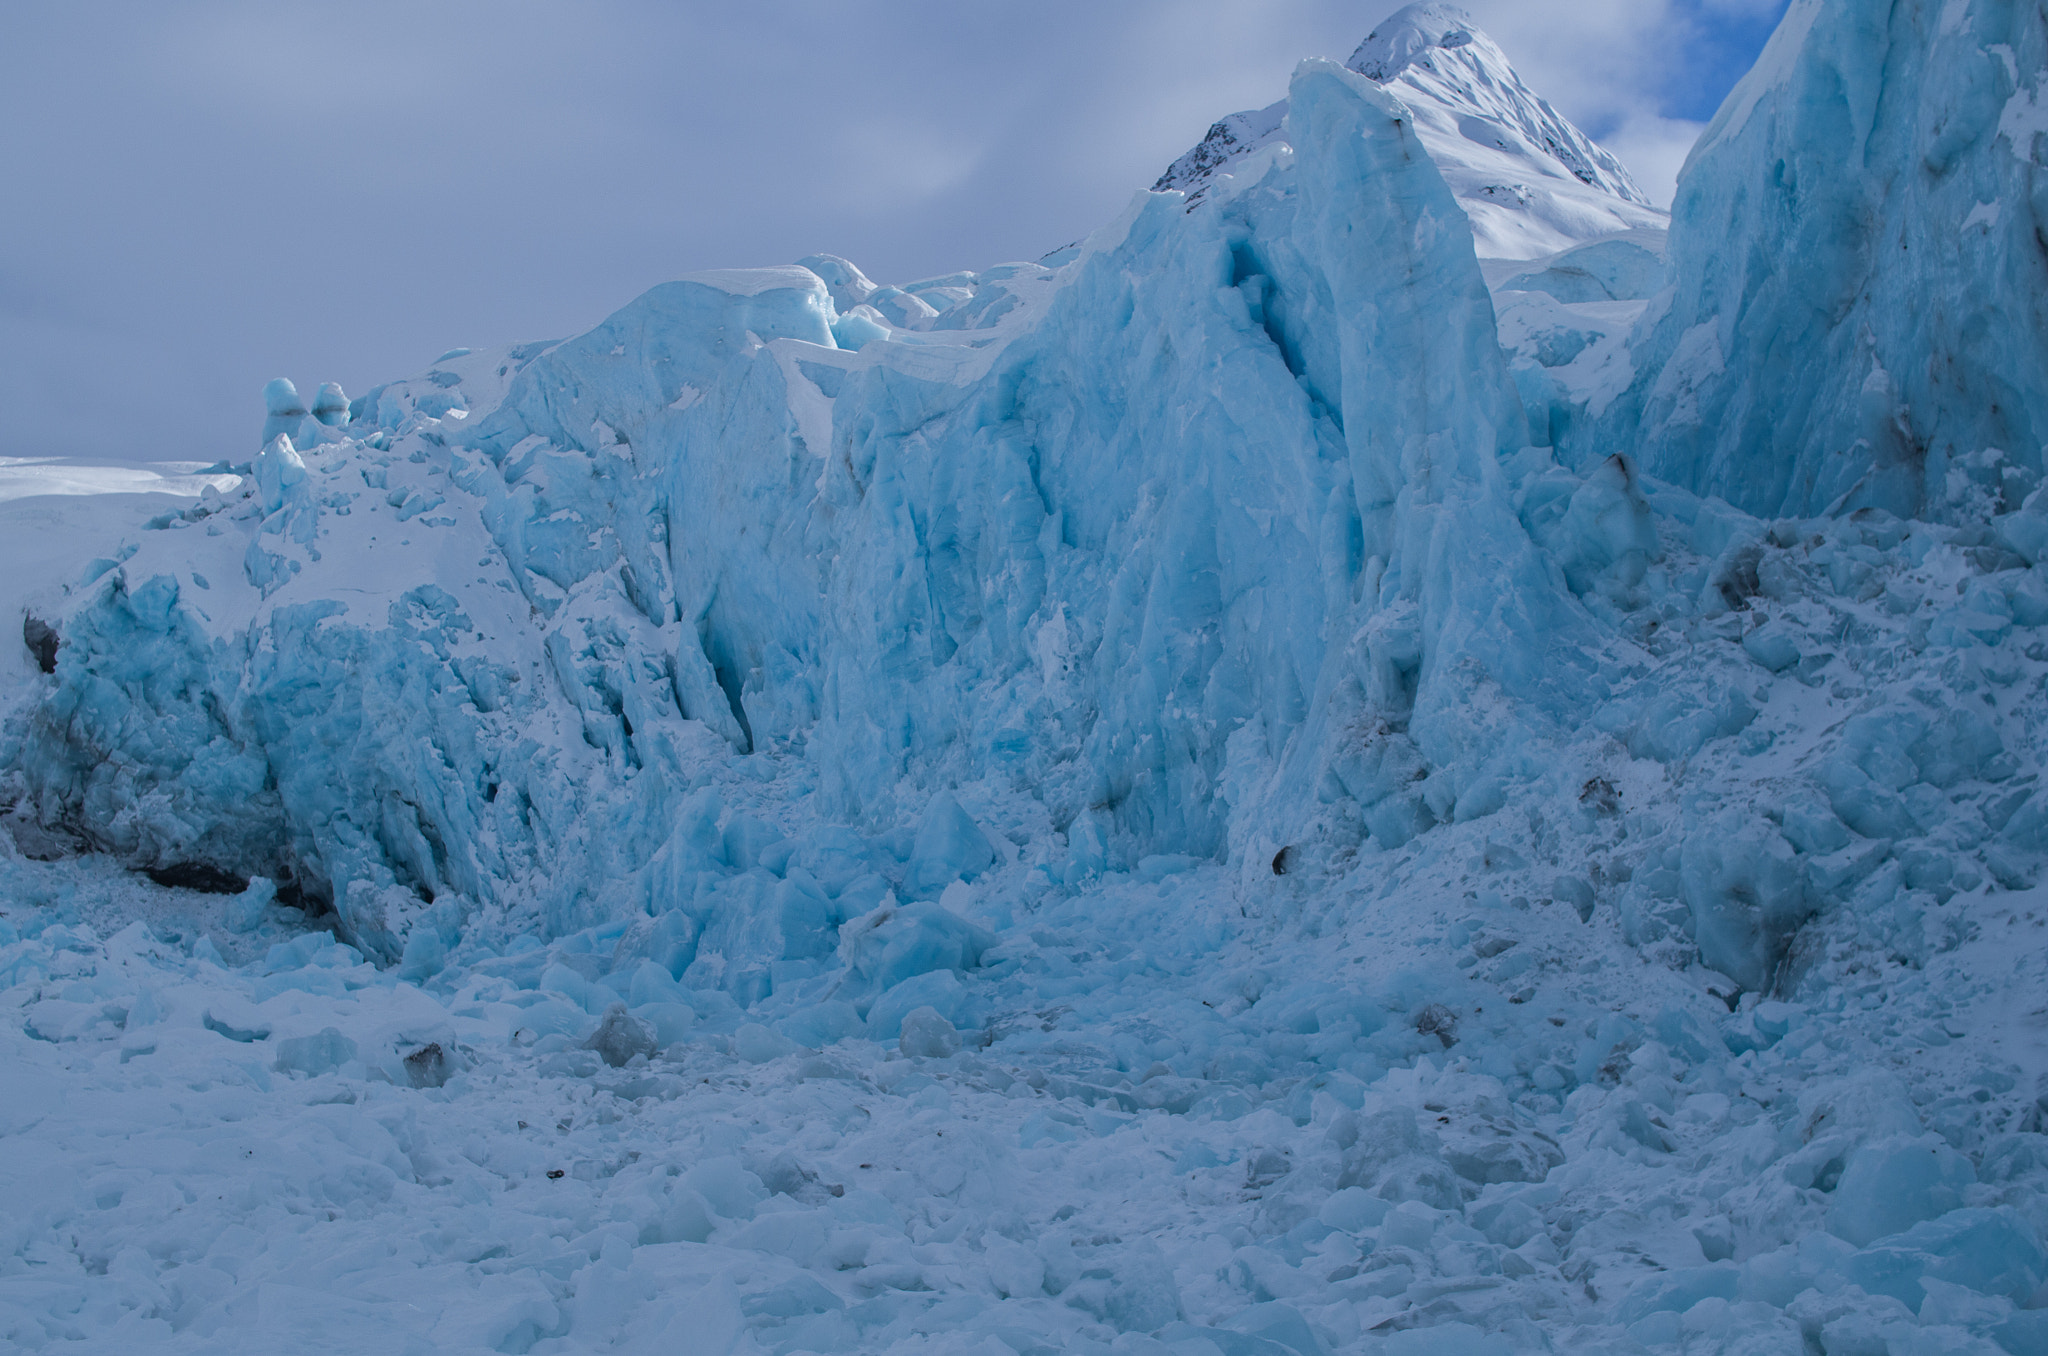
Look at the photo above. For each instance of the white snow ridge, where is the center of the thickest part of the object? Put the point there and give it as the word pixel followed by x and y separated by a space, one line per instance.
pixel 1369 761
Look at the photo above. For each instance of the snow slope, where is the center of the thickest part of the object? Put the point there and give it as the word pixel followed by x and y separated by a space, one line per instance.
pixel 1195 796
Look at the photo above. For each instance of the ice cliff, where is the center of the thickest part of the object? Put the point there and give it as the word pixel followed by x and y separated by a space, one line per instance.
pixel 1860 274
pixel 1256 531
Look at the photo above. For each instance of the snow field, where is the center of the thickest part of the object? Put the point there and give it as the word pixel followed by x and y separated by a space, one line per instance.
pixel 1213 1129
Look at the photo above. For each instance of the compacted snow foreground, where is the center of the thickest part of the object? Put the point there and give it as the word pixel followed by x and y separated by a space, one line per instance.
pixel 1396 753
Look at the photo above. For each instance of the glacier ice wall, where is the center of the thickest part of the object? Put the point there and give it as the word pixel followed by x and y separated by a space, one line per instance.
pixel 1234 471
pixel 1860 272
pixel 1285 532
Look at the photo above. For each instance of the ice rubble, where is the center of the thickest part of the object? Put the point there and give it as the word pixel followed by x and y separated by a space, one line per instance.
pixel 1231 726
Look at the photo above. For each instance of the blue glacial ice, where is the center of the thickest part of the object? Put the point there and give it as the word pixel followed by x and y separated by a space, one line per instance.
pixel 1850 269
pixel 1376 757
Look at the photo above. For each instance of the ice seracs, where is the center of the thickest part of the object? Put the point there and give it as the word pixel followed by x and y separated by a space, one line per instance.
pixel 286 413
pixel 1869 199
pixel 1041 548
pixel 283 410
pixel 330 406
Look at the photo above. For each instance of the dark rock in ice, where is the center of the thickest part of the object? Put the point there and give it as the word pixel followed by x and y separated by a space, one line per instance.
pixel 42 641
pixel 428 1066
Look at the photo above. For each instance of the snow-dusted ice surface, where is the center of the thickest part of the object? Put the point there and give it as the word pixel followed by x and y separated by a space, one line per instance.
pixel 1249 787
pixel 36 477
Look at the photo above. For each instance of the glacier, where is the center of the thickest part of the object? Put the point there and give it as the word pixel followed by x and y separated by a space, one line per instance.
pixel 1395 752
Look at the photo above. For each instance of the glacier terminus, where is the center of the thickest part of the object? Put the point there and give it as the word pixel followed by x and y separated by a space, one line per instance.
pixel 1397 752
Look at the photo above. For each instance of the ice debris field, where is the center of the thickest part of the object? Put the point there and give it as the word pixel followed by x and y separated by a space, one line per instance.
pixel 1395 753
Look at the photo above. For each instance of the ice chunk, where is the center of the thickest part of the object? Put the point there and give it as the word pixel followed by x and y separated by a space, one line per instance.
pixel 1812 826
pixel 727 1186
pixel 1489 1149
pixel 746 838
pixel 283 411
pixel 1601 528
pixel 902 309
pixel 247 911
pixel 323 1052
pixel 1747 894
pixel 928 1034
pixel 2025 530
pixel 330 404
pixel 1353 1209
pixel 649 982
pixel 1087 848
pixel 1868 1104
pixel 1396 1160
pixel 847 284
pixel 671 1021
pixel 940 990
pixel 799 1295
pixel 823 1024
pixel 1625 269
pixel 1677 1291
pixel 2024 1333
pixel 2028 827
pixel 1130 1286
pixel 1016 1271
pixel 1889 1185
pixel 620 1036
pixel 424 953
pixel 897 942
pixel 756 1044
pixel 859 327
pixel 1278 1323
pixel 1772 645
pixel 1447 1339
pixel 1992 1250
pixel 280 473
pixel 1677 724
pixel 1576 892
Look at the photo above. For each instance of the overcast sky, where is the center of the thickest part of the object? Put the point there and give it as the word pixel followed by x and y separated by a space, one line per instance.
pixel 202 196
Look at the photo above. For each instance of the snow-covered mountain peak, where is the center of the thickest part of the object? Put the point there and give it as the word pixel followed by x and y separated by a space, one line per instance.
pixel 1412 34
pixel 1437 51
pixel 1532 183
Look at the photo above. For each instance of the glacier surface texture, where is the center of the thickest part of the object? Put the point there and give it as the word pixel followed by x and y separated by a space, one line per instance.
pixel 1398 752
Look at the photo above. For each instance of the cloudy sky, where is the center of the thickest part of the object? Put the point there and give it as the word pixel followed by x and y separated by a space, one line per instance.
pixel 205 195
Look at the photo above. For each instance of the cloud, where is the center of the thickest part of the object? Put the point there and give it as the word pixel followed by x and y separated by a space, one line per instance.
pixel 1654 149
